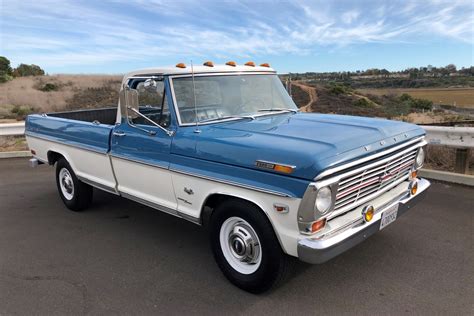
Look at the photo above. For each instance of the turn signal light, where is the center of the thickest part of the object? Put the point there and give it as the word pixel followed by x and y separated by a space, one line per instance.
pixel 231 63
pixel 250 64
pixel 33 152
pixel 265 65
pixel 413 187
pixel 284 169
pixel 181 65
pixel 414 174
pixel 208 64
pixel 318 225
pixel 368 213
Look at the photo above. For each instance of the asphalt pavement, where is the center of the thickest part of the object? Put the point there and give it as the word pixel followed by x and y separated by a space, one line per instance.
pixel 120 257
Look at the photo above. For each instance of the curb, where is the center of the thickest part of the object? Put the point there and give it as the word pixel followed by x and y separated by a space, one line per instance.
pixel 15 154
pixel 445 176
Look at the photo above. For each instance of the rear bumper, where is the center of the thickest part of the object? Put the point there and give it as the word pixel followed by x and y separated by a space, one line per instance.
pixel 321 250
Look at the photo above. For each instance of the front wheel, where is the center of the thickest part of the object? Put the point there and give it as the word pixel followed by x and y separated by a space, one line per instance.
pixel 246 248
pixel 75 194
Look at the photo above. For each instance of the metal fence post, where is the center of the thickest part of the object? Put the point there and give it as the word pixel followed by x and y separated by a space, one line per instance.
pixel 462 160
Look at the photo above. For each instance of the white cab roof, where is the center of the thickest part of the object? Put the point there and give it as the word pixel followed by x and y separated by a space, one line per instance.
pixel 197 70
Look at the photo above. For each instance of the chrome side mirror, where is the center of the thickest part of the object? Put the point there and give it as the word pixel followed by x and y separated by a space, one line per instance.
pixel 150 85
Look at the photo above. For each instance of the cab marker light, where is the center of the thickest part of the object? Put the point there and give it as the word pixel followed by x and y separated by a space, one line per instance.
pixel 250 64
pixel 208 64
pixel 265 65
pixel 231 63
pixel 181 65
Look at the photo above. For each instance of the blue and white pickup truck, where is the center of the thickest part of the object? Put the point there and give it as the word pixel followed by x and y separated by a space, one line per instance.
pixel 225 146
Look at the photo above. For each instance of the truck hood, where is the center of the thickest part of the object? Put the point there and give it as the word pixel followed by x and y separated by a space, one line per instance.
pixel 310 142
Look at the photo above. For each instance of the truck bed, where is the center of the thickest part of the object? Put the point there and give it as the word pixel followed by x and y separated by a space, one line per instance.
pixel 87 129
pixel 103 116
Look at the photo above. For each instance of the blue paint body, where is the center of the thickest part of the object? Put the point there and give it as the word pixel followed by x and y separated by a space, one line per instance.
pixel 227 151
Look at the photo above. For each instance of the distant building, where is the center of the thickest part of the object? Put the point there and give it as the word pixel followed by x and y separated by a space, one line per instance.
pixel 429 68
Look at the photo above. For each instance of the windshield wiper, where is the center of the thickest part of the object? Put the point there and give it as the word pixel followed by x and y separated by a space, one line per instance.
pixel 278 110
pixel 227 117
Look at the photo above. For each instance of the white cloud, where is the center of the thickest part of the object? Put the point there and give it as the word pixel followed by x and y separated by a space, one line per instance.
pixel 75 33
pixel 350 16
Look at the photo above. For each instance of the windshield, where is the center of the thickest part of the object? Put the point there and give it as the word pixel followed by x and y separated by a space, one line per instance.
pixel 230 96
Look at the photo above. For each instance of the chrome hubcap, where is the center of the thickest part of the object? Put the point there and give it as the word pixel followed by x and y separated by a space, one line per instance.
pixel 243 243
pixel 240 245
pixel 66 183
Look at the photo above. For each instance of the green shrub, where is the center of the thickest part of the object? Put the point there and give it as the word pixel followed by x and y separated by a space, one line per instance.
pixel 363 103
pixel 338 89
pixel 49 87
pixel 24 70
pixel 21 111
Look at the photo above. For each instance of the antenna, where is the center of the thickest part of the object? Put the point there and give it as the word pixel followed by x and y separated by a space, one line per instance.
pixel 194 99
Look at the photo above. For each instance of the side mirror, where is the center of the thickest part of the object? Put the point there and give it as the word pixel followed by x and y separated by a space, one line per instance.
pixel 132 102
pixel 150 85
pixel 128 100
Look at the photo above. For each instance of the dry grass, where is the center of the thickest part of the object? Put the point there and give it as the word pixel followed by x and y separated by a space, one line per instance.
pixel 13 143
pixel 461 97
pixel 443 158
pixel 23 93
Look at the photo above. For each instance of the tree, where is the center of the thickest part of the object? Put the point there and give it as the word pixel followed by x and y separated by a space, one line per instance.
pixel 5 69
pixel 24 70
pixel 450 68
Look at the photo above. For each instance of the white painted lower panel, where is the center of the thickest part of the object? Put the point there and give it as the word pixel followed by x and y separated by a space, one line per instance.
pixel 148 183
pixel 285 225
pixel 85 163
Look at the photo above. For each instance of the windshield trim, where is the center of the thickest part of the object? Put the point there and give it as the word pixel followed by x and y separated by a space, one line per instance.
pixel 236 73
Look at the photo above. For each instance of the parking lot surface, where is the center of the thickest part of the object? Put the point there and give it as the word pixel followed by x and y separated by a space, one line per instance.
pixel 120 257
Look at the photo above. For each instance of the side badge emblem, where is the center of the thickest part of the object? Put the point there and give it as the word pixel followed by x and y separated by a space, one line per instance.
pixel 189 191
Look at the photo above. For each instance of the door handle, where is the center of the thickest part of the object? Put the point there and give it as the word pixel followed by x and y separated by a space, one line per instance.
pixel 118 133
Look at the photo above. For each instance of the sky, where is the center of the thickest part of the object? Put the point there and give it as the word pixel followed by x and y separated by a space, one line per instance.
pixel 117 36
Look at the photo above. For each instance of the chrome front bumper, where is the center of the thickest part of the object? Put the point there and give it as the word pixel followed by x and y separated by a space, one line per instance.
pixel 313 250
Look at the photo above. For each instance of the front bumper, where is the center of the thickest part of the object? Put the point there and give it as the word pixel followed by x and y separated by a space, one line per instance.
pixel 314 250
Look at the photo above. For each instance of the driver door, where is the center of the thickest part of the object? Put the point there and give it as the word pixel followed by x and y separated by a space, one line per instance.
pixel 140 150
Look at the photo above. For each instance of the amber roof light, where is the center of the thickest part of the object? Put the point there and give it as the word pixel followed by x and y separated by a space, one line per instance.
pixel 231 63
pixel 250 64
pixel 265 65
pixel 208 64
pixel 181 65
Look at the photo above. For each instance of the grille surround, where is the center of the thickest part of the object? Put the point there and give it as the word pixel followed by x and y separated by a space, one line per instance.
pixel 367 180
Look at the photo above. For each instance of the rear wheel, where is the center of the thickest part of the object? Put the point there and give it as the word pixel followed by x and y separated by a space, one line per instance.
pixel 75 194
pixel 246 248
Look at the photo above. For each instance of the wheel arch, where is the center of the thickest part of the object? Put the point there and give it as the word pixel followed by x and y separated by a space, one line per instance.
pixel 216 198
pixel 55 154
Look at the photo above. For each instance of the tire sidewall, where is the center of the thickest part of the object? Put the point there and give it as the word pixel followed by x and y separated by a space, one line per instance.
pixel 268 271
pixel 72 203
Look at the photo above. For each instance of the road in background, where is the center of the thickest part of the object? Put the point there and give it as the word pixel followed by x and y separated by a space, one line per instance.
pixel 123 258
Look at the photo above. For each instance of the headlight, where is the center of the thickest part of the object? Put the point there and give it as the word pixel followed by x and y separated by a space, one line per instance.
pixel 420 158
pixel 323 200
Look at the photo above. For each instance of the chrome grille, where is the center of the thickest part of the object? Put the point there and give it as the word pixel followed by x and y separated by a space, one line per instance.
pixel 365 182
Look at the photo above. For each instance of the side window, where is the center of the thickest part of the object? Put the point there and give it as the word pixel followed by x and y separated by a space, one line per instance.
pixel 152 104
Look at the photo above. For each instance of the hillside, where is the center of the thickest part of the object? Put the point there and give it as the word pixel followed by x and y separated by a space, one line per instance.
pixel 26 95
pixel 411 105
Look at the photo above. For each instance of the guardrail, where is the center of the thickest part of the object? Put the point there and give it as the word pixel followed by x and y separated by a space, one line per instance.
pixel 12 129
pixel 461 138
